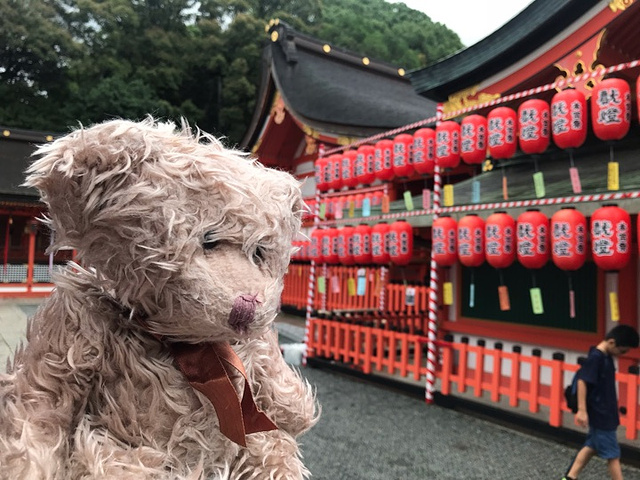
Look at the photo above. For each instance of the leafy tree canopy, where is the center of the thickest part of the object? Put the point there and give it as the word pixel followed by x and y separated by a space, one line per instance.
pixel 69 61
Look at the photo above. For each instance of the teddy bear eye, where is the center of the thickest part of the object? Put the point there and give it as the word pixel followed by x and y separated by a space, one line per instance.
pixel 209 242
pixel 259 255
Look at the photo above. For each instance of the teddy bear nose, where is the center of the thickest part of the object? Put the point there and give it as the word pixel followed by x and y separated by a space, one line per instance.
pixel 242 312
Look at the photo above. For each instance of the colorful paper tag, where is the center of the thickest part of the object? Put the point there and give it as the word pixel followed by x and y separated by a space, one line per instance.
pixel 538 183
pixel 536 301
pixel 575 180
pixel 447 193
pixel 503 296
pixel 366 207
pixel 408 201
pixel 472 295
pixel 351 287
pixel 475 191
pixel 335 284
pixel 338 210
pixel 362 282
pixel 352 209
pixel 410 296
pixel 426 199
pixel 323 209
pixel 385 204
pixel 613 178
pixel 572 304
pixel 613 305
pixel 447 293
pixel 505 188
pixel 321 285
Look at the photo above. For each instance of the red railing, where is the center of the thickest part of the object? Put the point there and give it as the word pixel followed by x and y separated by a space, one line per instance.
pixel 474 369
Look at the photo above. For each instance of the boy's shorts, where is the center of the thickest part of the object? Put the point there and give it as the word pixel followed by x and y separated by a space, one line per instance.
pixel 604 442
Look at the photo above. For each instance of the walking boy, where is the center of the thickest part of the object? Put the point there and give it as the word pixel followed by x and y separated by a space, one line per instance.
pixel 598 402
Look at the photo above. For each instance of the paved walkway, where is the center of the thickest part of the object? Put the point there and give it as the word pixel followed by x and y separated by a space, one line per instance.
pixel 372 432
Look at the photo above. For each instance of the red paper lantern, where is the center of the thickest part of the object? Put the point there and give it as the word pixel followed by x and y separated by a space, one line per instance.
pixel 500 242
pixel 362 244
pixel 502 133
pixel 315 252
pixel 402 165
pixel 473 142
pixel 533 239
pixel 335 177
pixel 345 245
pixel 349 179
pixel 400 242
pixel 383 160
pixel 471 240
pixel 364 165
pixel 379 247
pixel 611 109
pixel 533 126
pixel 448 144
pixel 424 150
pixel 569 119
pixel 568 239
pixel 443 241
pixel 611 237
pixel 376 198
pixel 321 176
pixel 329 245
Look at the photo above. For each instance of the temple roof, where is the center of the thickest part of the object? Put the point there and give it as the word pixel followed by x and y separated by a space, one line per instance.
pixel 528 31
pixel 336 92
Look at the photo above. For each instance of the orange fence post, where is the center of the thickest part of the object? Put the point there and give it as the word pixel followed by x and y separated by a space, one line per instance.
pixel 479 373
pixel 514 382
pixel 631 417
pixel 557 387
pixel 463 349
pixel 497 372
pixel 534 384
pixel 380 349
pixel 447 365
pixel 366 368
pixel 404 354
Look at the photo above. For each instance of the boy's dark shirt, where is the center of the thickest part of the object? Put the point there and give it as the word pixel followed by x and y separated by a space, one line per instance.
pixel 599 372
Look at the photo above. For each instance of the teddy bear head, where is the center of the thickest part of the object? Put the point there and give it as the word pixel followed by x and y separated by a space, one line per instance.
pixel 193 236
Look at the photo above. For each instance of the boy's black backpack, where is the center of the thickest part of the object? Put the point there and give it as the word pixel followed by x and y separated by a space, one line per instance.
pixel 571 394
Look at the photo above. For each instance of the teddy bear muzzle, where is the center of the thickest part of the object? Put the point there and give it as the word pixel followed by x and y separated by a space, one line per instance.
pixel 243 312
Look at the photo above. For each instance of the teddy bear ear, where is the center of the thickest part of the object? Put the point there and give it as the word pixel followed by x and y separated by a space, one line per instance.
pixel 81 175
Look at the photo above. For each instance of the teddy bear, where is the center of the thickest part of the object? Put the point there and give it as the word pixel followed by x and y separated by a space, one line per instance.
pixel 155 357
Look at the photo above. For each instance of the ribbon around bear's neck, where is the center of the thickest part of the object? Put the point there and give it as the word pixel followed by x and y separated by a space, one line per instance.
pixel 209 368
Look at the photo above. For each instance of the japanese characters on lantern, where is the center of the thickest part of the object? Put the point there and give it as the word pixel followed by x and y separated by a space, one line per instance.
pixel 568 239
pixel 500 243
pixel 533 126
pixel 379 243
pixel 611 109
pixel 364 165
pixel 348 170
pixel 383 160
pixel 611 237
pixel 362 244
pixel 448 144
pixel 315 251
pixel 532 233
pixel 329 245
pixel 334 164
pixel 443 240
pixel 402 165
pixel 400 242
pixel 473 139
pixel 569 119
pixel 424 150
pixel 502 133
pixel 321 176
pixel 345 245
pixel 471 240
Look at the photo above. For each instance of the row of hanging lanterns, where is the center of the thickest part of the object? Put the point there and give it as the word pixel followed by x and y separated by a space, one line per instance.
pixel 498 136
pixel 380 244
pixel 533 238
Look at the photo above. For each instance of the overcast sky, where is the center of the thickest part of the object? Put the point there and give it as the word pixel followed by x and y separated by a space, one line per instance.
pixel 472 20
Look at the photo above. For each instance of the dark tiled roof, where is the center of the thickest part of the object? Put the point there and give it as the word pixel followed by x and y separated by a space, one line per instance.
pixel 534 26
pixel 336 92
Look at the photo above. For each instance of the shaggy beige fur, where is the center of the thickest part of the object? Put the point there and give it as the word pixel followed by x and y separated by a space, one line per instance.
pixel 171 229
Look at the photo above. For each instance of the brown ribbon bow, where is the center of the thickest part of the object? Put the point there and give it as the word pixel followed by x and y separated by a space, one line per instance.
pixel 209 368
